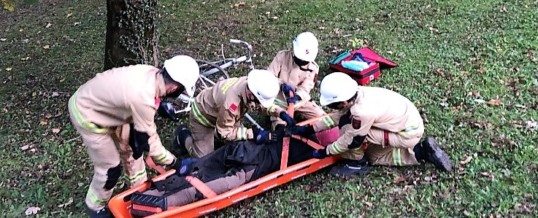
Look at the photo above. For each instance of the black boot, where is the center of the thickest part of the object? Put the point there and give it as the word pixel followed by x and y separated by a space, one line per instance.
pixel 103 213
pixel 181 134
pixel 429 151
pixel 350 168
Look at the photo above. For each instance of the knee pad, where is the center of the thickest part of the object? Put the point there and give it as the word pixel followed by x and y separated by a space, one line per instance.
pixel 112 176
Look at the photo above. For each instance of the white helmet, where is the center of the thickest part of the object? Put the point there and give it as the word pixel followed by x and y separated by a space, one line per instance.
pixel 337 87
pixel 183 69
pixel 264 85
pixel 305 46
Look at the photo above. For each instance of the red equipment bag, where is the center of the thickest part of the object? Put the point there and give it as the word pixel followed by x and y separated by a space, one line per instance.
pixel 366 74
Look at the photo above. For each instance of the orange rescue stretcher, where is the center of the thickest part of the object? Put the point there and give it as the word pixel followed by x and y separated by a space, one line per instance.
pixel 120 204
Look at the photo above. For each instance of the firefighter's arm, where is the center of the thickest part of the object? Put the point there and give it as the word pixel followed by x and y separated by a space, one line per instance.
pixel 304 88
pixel 226 125
pixel 274 67
pixel 328 121
pixel 352 137
pixel 276 111
pixel 145 133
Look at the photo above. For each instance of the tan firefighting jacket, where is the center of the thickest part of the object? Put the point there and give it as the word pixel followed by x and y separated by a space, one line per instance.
pixel 373 108
pixel 224 105
pixel 120 96
pixel 288 72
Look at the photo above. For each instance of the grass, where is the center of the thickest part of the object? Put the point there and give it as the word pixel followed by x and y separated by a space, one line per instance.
pixel 470 66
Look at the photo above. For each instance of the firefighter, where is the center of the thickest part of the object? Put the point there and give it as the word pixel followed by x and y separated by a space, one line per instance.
pixel 297 71
pixel 389 122
pixel 217 111
pixel 114 114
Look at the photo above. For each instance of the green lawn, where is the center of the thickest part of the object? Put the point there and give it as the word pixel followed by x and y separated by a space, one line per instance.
pixel 470 66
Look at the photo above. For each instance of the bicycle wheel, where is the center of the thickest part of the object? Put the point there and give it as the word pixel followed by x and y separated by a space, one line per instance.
pixel 210 73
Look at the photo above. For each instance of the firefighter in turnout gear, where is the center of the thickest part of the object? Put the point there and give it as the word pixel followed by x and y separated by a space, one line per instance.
pixel 297 72
pixel 114 114
pixel 217 111
pixel 389 122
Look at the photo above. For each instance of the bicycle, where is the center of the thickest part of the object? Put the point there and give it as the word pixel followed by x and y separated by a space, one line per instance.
pixel 210 73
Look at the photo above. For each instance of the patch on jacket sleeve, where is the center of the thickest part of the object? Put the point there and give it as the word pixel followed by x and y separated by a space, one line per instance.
pixel 233 107
pixel 356 123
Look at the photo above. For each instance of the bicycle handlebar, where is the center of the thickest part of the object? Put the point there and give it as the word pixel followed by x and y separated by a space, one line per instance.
pixel 237 41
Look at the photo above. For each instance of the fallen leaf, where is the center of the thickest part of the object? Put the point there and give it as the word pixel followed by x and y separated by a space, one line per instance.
pixel 70 201
pixel 494 102
pixel 46 46
pixel 55 130
pixel 32 210
pixel 25 147
pixel 43 122
pixel 368 203
pixel 466 161
pixel 399 179
pixel 480 101
pixel 531 125
pixel 55 94
pixel 48 25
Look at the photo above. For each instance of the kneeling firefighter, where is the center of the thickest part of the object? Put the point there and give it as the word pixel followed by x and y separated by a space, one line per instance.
pixel 217 112
pixel 389 122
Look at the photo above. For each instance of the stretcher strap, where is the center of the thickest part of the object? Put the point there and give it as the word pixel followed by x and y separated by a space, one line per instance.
pixel 307 141
pixel 200 186
pixel 152 165
pixel 286 140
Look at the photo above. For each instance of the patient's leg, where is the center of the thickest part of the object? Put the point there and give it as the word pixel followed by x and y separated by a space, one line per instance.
pixel 219 186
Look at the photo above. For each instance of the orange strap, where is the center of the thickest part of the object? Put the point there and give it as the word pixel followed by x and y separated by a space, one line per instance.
pixel 200 186
pixel 152 165
pixel 147 208
pixel 286 140
pixel 307 141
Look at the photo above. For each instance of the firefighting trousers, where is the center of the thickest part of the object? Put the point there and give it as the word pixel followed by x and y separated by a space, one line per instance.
pixel 389 148
pixel 109 153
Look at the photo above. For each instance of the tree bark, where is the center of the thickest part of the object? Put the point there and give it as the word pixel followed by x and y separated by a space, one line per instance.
pixel 130 33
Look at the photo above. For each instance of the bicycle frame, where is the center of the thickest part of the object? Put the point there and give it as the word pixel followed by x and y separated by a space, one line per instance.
pixel 226 63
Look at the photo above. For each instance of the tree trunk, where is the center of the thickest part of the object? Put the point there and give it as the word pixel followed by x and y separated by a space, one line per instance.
pixel 130 33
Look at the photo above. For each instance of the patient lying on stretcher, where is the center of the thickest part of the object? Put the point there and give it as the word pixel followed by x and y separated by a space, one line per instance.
pixel 226 168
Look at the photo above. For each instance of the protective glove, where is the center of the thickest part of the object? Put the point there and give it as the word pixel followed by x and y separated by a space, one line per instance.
pixel 293 99
pixel 302 130
pixel 287 118
pixel 138 142
pixel 320 153
pixel 261 136
pixel 166 109
pixel 184 167
pixel 287 90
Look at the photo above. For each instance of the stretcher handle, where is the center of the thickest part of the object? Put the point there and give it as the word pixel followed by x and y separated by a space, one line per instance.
pixel 286 140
